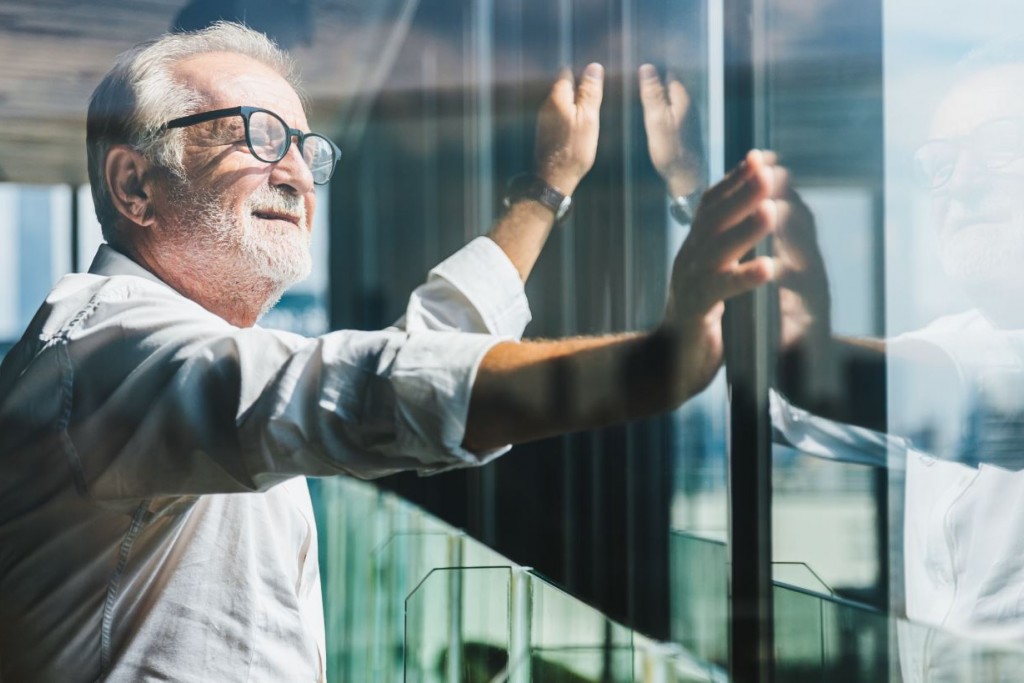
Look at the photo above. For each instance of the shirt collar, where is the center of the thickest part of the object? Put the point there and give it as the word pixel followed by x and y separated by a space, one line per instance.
pixel 109 261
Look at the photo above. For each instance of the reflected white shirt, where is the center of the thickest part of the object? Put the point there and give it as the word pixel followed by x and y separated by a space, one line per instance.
pixel 963 511
pixel 154 519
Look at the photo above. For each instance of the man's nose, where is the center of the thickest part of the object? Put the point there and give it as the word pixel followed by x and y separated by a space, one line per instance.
pixel 292 173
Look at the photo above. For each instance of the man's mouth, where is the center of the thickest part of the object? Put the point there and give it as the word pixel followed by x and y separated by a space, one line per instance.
pixel 271 215
pixel 979 214
pixel 980 221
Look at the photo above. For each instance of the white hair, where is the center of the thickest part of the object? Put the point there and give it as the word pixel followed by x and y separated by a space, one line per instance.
pixel 140 94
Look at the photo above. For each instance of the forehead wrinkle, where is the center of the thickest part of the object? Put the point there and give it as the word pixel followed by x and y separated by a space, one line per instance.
pixel 986 95
pixel 226 79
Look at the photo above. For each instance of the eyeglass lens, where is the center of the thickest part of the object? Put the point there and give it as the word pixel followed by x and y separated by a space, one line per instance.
pixel 994 144
pixel 268 137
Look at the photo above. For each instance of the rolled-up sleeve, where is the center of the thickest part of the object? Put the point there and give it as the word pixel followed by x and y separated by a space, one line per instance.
pixel 368 404
pixel 477 289
pixel 166 399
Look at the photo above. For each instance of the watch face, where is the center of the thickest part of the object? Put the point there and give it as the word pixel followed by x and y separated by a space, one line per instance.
pixel 681 211
pixel 563 208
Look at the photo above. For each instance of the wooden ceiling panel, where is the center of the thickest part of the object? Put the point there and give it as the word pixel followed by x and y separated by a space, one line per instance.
pixel 54 52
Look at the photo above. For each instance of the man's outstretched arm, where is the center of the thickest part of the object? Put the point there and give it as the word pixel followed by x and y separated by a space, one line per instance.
pixel 479 288
pixel 567 130
pixel 529 390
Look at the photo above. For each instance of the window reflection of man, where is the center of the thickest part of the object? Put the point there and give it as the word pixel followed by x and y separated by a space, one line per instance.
pixel 963 523
pixel 964 546
pixel 974 166
pixel 963 550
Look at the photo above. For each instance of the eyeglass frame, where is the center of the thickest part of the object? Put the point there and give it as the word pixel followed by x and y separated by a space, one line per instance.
pixel 246 113
pixel 957 143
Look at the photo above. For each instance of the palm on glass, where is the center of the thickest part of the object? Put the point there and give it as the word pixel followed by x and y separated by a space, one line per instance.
pixel 804 299
pixel 665 108
pixel 567 128
pixel 733 217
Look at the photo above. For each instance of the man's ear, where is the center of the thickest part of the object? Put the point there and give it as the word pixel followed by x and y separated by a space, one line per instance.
pixel 130 179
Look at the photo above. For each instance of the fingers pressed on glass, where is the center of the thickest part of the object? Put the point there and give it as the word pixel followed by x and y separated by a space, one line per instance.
pixel 591 82
pixel 780 181
pixel 745 277
pixel 652 93
pixel 678 98
pixel 757 168
pixel 783 214
pixel 563 89
pixel 721 213
pixel 754 162
pixel 733 243
pixel 733 179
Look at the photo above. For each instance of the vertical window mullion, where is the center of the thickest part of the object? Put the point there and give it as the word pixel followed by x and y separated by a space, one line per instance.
pixel 748 350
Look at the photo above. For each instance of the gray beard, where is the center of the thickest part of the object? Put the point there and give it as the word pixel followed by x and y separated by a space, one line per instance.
pixel 251 264
pixel 988 269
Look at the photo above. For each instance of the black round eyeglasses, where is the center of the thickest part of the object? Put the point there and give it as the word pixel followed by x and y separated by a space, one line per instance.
pixel 269 138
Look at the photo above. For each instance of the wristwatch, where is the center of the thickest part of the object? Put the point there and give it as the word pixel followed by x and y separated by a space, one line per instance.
pixel 529 186
pixel 684 207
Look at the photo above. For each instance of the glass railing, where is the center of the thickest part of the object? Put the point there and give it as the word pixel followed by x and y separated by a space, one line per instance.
pixel 409 598
pixel 700 595
pixel 819 636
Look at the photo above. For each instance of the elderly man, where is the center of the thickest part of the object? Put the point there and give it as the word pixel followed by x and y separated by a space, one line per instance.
pixel 154 523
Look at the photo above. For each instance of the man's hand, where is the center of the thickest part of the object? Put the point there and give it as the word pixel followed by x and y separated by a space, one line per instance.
pixel 732 218
pixel 815 367
pixel 567 129
pixel 665 109
pixel 804 301
pixel 529 390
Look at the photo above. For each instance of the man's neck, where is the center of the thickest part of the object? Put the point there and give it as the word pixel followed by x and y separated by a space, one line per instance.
pixel 218 288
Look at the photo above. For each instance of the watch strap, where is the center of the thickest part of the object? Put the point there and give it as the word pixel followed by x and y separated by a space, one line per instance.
pixel 529 186
pixel 684 207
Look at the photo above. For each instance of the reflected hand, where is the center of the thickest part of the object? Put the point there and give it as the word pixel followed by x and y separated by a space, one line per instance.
pixel 567 129
pixel 733 216
pixel 665 109
pixel 804 300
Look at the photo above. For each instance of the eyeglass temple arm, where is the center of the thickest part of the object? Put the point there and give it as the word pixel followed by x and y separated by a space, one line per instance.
pixel 200 118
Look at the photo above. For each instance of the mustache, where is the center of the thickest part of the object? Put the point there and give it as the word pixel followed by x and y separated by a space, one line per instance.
pixel 275 200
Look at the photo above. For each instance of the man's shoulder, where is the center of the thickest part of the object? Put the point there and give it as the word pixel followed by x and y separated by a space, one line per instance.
pixel 82 301
pixel 110 309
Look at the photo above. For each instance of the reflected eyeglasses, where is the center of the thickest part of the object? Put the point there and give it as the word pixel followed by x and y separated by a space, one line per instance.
pixel 994 144
pixel 269 138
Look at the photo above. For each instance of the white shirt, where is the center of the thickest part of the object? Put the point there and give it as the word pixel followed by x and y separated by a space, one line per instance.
pixel 963 511
pixel 154 522
pixel 964 506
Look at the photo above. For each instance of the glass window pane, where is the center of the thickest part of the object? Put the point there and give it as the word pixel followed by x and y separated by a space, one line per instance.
pixel 691 50
pixel 90 235
pixel 898 398
pixel 35 238
pixel 822 109
pixel 953 285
